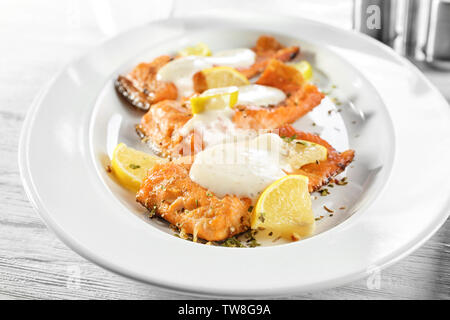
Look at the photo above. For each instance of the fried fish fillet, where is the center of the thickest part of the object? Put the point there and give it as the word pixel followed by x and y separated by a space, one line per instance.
pixel 141 87
pixel 268 48
pixel 319 174
pixel 169 192
pixel 302 97
pixel 163 122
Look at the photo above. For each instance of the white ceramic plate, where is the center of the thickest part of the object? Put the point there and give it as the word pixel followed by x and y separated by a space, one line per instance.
pixel 387 106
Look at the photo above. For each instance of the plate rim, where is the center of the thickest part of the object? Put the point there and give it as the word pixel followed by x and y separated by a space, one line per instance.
pixel 37 204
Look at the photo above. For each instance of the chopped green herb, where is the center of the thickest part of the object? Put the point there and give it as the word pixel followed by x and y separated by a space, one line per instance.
pixel 253 243
pixel 232 242
pixel 290 139
pixel 324 192
pixel 134 166
pixel 250 209
pixel 209 194
pixel 341 182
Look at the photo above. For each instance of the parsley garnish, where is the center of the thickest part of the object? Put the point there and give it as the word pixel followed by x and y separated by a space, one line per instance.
pixel 232 242
pixel 290 139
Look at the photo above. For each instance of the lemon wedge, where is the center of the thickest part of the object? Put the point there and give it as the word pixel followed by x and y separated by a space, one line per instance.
pixel 219 77
pixel 200 49
pixel 215 99
pixel 130 166
pixel 302 152
pixel 305 68
pixel 285 208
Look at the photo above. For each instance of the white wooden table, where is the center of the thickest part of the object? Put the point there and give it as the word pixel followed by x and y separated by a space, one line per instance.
pixel 36 39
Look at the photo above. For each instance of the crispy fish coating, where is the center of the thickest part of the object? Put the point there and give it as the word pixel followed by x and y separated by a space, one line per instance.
pixel 173 196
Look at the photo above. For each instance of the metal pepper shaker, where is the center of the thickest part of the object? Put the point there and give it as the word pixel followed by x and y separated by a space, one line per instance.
pixel 417 29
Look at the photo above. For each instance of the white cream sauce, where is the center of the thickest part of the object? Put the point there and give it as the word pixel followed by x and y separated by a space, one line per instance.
pixel 236 58
pixel 180 71
pixel 261 96
pixel 244 168
pixel 216 126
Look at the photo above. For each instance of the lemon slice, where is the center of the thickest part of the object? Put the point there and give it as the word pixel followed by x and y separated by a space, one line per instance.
pixel 302 152
pixel 305 68
pixel 215 99
pixel 200 49
pixel 285 208
pixel 219 77
pixel 130 166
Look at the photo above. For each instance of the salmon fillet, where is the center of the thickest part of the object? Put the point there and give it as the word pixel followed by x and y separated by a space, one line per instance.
pixel 162 123
pixel 302 98
pixel 268 48
pixel 141 88
pixel 169 192
pixel 319 174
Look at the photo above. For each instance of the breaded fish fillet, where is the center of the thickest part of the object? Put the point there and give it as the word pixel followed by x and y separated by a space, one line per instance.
pixel 169 192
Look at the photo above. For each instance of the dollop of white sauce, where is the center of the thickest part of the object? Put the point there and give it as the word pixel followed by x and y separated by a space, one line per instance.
pixel 180 71
pixel 217 126
pixel 261 96
pixel 236 58
pixel 243 168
